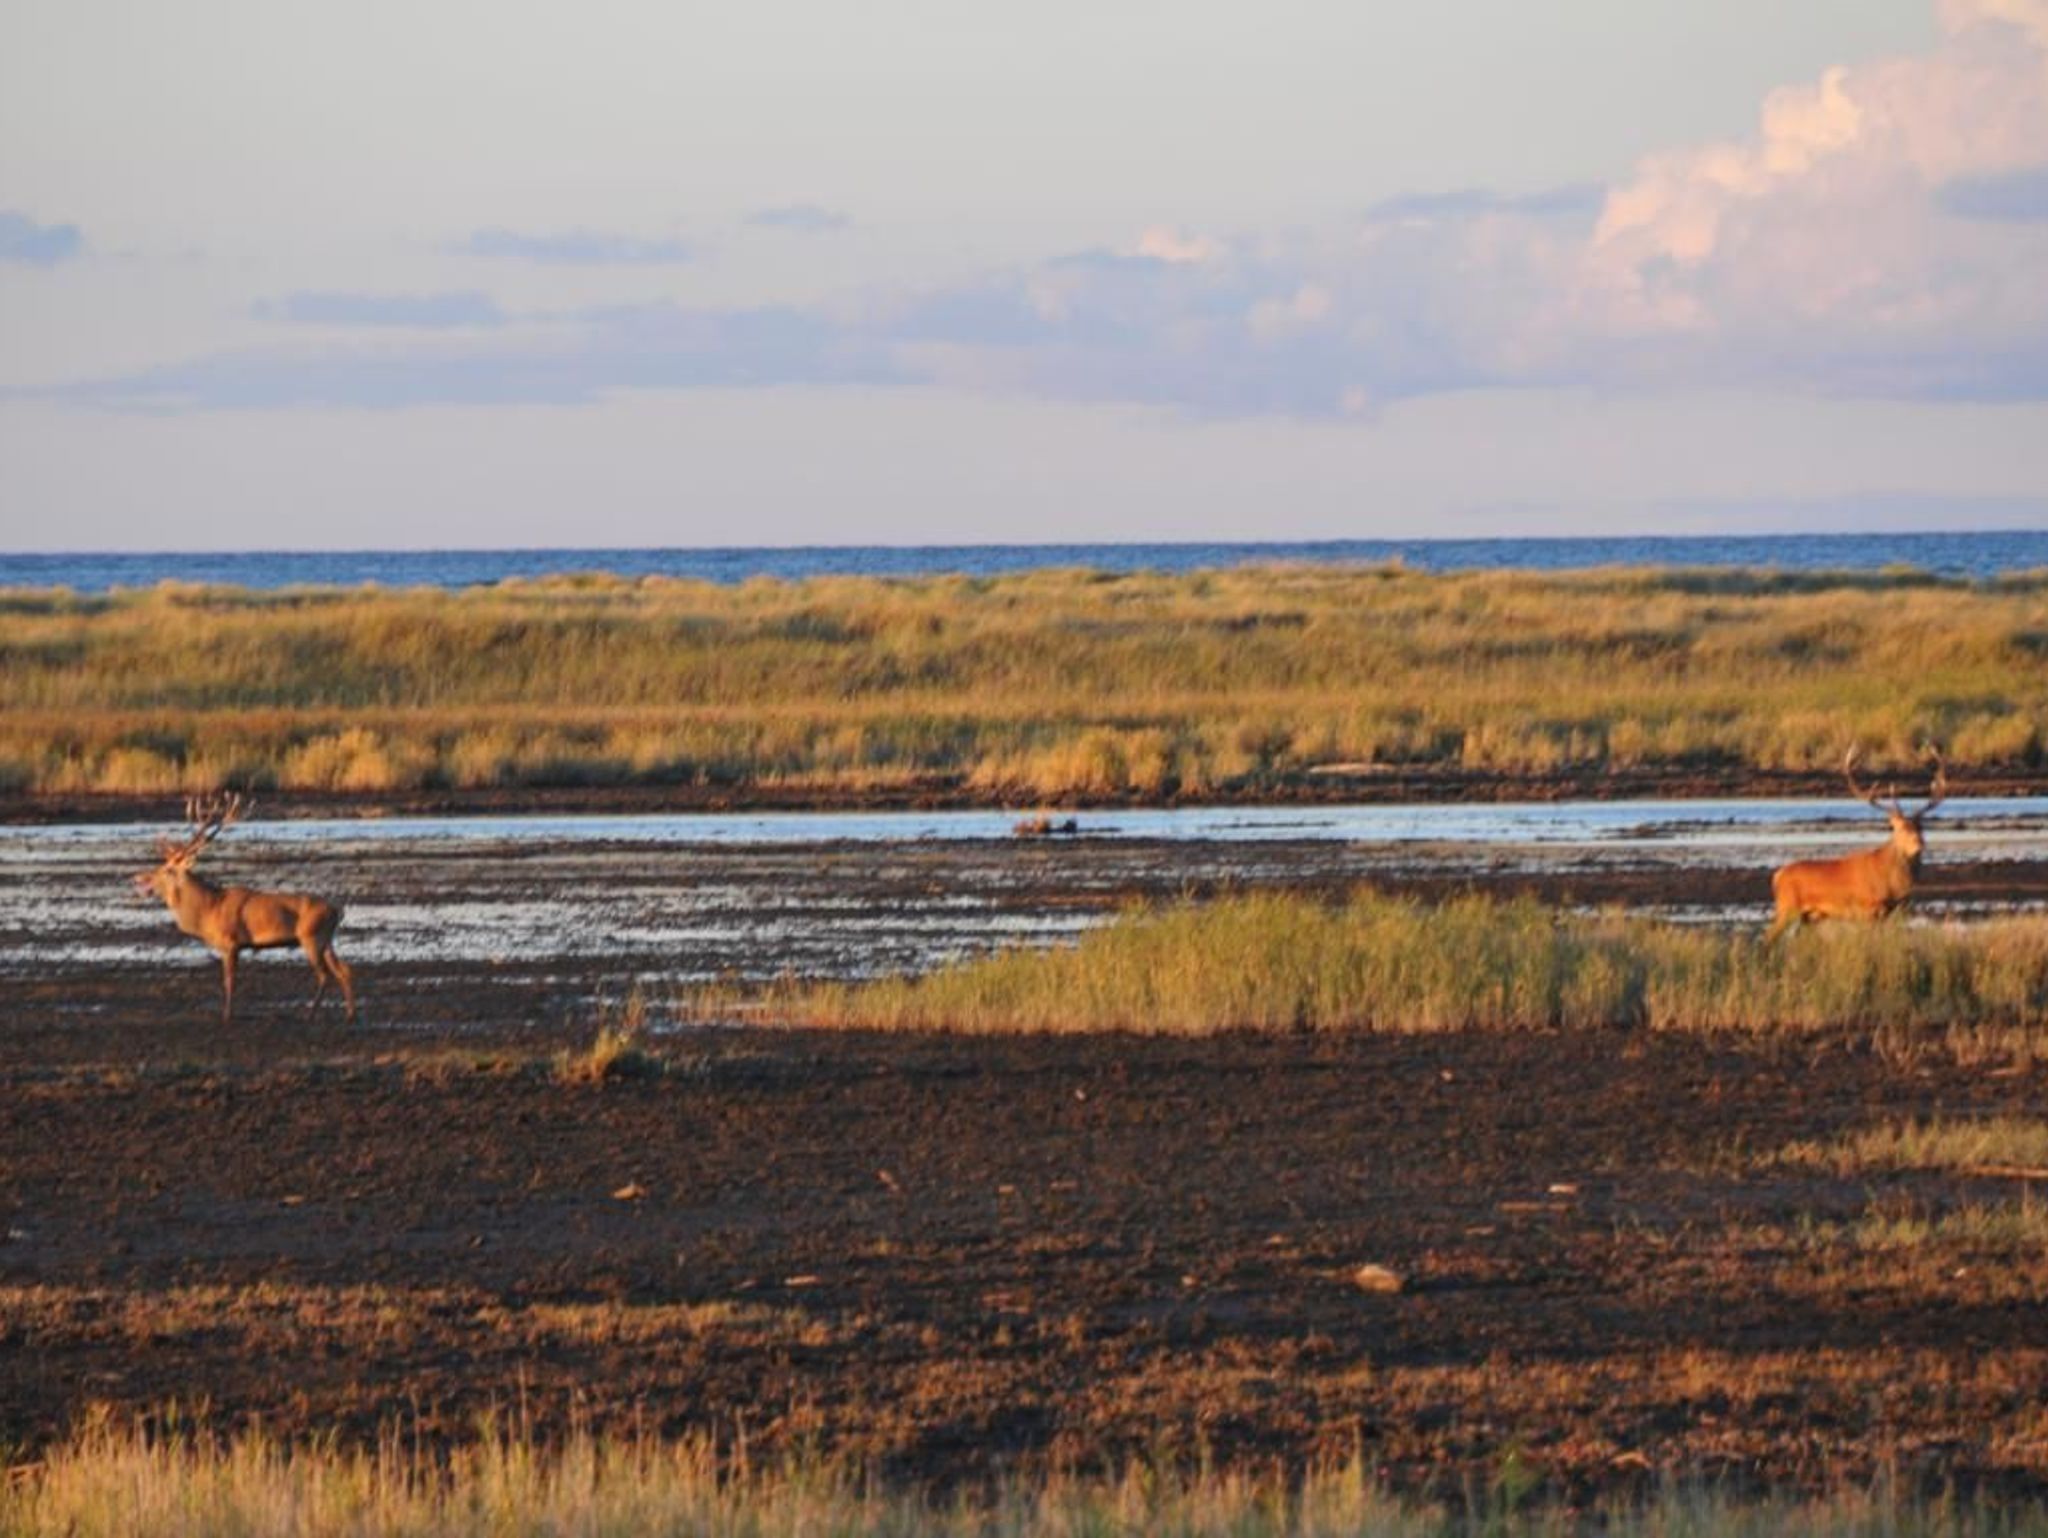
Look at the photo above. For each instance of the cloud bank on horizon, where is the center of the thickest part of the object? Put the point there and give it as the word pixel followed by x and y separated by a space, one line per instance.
pixel 1882 233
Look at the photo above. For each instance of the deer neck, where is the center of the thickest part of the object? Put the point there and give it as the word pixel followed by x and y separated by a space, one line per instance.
pixel 195 899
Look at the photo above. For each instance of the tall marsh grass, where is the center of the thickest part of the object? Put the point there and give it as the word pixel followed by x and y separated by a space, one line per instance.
pixel 121 1482
pixel 1276 961
pixel 1040 685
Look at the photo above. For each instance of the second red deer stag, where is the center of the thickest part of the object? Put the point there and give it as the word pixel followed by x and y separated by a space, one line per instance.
pixel 1870 885
pixel 234 919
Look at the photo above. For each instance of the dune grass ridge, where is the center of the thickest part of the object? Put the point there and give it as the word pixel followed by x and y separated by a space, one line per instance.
pixel 1047 685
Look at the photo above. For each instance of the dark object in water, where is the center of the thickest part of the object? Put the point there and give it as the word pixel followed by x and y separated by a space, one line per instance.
pixel 1042 826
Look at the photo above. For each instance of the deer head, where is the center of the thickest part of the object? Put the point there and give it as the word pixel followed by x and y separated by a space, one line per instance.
pixel 1906 835
pixel 207 818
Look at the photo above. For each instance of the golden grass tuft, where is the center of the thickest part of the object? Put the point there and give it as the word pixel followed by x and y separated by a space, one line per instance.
pixel 618 1050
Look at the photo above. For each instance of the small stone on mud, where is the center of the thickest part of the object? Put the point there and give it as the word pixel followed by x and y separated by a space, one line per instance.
pixel 1372 1278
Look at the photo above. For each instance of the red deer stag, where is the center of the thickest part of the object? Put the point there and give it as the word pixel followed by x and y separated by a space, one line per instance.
pixel 1869 885
pixel 234 919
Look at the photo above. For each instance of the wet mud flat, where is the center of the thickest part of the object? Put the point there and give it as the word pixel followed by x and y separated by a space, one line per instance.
pixel 548 927
pixel 956 1257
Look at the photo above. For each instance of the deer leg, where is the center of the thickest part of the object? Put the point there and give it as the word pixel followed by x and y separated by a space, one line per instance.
pixel 227 986
pixel 310 944
pixel 343 976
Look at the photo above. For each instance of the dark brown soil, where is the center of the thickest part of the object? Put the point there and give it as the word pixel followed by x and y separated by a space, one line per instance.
pixel 955 1256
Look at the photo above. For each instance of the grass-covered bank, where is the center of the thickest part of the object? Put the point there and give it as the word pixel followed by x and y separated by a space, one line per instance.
pixel 110 1482
pixel 1282 962
pixel 1042 685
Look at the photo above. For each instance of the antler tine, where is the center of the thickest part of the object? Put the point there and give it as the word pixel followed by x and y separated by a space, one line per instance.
pixel 1937 791
pixel 207 817
pixel 1849 774
pixel 176 853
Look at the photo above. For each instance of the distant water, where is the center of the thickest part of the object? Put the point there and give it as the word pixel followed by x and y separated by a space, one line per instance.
pixel 1957 555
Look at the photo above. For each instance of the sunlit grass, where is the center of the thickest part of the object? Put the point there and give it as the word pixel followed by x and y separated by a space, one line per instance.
pixel 2009 1230
pixel 1982 1143
pixel 1039 686
pixel 116 1481
pixel 617 1049
pixel 1277 961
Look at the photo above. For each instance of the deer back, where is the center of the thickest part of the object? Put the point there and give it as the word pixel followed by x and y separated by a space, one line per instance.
pixel 263 919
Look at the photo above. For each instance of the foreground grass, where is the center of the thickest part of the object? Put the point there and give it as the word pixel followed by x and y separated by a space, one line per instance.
pixel 1046 684
pixel 124 1482
pixel 1282 962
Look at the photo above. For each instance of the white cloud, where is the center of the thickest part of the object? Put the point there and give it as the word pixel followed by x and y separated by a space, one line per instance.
pixel 808 218
pixel 575 248
pixel 1874 236
pixel 412 311
pixel 1165 244
pixel 1823 248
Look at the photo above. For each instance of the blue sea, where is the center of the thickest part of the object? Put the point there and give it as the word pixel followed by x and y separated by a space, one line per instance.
pixel 1980 555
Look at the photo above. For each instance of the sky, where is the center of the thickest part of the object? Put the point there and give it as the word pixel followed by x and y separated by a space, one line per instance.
pixel 277 274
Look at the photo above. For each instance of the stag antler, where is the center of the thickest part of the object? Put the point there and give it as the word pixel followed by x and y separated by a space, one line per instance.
pixel 1937 792
pixel 208 818
pixel 1849 774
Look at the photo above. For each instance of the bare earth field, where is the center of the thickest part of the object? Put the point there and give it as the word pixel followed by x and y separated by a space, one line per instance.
pixel 954 1257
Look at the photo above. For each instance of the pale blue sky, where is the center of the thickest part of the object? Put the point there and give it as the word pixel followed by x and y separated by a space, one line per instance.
pixel 284 274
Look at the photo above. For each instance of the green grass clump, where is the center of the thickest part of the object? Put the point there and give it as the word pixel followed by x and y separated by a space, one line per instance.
pixel 1038 686
pixel 1277 961
pixel 1983 1143
pixel 2005 1230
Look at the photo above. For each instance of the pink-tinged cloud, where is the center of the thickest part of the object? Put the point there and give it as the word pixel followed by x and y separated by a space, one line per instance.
pixel 1830 243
